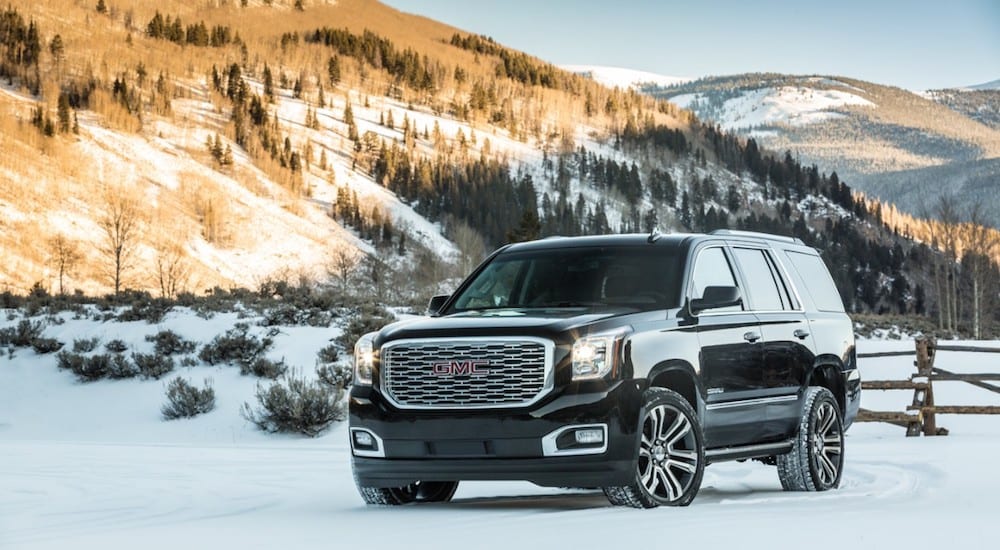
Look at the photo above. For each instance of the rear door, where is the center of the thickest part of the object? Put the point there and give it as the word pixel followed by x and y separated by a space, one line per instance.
pixel 787 340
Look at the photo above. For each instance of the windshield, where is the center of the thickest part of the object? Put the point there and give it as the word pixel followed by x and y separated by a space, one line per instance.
pixel 640 277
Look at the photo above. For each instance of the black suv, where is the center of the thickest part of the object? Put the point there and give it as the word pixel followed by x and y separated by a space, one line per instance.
pixel 625 362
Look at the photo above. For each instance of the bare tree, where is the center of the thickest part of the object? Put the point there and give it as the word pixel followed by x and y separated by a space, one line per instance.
pixel 470 245
pixel 982 244
pixel 121 223
pixel 65 254
pixel 172 269
pixel 342 266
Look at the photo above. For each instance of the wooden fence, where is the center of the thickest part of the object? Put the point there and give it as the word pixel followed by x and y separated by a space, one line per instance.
pixel 921 415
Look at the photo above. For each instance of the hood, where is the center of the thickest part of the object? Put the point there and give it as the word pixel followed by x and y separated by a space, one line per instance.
pixel 545 323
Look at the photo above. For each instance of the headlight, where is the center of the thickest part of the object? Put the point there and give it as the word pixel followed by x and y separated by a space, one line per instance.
pixel 594 356
pixel 364 359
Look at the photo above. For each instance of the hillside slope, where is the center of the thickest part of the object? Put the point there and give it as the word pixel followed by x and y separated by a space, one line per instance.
pixel 347 143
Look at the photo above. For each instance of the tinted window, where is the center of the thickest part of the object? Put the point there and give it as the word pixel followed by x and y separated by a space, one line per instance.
pixel 643 278
pixel 763 289
pixel 712 269
pixel 818 281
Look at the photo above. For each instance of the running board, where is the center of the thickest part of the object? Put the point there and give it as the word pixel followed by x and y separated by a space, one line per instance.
pixel 748 451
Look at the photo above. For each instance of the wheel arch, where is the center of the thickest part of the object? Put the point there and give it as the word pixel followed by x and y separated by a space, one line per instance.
pixel 827 372
pixel 679 376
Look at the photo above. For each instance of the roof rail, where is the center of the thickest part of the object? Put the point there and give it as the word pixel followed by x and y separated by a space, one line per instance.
pixel 756 235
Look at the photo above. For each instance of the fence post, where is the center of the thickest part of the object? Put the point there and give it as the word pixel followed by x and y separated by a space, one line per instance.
pixel 926 348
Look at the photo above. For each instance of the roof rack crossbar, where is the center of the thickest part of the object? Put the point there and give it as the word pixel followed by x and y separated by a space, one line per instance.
pixel 756 235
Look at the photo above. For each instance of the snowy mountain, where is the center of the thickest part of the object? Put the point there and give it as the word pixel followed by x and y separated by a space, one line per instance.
pixel 861 130
pixel 992 85
pixel 625 78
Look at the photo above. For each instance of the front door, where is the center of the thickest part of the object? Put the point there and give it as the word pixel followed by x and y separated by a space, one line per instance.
pixel 731 356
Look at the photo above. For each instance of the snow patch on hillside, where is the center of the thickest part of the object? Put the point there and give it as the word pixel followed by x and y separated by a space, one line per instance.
pixel 791 105
pixel 625 78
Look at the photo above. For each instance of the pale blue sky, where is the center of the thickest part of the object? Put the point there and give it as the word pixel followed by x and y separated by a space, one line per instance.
pixel 917 44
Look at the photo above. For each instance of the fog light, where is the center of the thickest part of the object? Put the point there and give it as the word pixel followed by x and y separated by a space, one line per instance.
pixel 363 439
pixel 589 436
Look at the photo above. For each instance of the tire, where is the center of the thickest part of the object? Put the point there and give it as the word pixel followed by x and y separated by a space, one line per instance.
pixel 816 461
pixel 414 493
pixel 671 458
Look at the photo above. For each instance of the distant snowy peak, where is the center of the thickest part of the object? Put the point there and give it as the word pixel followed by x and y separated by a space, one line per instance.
pixel 625 78
pixel 791 105
pixel 992 85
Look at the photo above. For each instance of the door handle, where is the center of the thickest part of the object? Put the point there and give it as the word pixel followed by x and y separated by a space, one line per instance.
pixel 751 336
pixel 800 334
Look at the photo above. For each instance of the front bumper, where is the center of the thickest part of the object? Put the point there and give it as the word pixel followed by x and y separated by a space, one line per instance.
pixel 500 444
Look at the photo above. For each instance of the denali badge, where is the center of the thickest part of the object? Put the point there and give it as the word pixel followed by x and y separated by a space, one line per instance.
pixel 461 367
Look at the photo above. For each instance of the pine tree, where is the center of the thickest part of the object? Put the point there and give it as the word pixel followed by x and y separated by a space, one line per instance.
pixel 352 130
pixel 333 70
pixel 268 84
pixel 64 112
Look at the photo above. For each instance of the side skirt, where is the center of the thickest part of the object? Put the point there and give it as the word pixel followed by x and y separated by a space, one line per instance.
pixel 747 451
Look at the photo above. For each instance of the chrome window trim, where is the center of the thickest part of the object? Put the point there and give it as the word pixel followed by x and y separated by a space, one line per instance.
pixel 547 384
pixel 379 452
pixel 751 402
pixel 549 447
pixel 784 275
pixel 788 280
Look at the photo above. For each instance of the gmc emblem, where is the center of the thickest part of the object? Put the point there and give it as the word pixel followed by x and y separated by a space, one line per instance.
pixel 455 368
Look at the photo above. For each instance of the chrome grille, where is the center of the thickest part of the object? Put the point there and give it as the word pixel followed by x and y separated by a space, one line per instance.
pixel 510 372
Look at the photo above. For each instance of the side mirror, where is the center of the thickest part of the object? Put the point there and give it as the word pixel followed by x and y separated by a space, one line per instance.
pixel 434 306
pixel 716 297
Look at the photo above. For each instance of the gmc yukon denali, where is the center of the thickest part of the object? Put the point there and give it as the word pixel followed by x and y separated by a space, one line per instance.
pixel 626 363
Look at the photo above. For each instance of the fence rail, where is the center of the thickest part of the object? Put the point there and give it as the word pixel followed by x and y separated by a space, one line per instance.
pixel 921 416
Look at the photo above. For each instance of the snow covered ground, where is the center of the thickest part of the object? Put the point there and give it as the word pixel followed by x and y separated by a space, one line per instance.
pixel 93 466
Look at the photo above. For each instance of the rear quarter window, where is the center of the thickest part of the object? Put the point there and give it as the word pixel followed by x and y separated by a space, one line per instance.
pixel 819 284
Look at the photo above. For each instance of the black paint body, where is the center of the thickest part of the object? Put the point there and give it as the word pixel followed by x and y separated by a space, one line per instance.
pixel 745 373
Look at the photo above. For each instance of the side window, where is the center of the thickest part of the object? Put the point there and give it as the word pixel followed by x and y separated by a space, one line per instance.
pixel 711 268
pixel 818 281
pixel 762 285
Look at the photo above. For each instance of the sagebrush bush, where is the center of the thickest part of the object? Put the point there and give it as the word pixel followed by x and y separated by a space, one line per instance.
pixel 85 345
pixel 46 345
pixel 116 346
pixel 184 400
pixel 328 354
pixel 338 376
pixel 22 334
pixel 121 367
pixel 168 342
pixel 146 308
pixel 70 361
pixel 369 317
pixel 295 405
pixel 236 346
pixel 152 365
pixel 94 367
pixel 265 368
